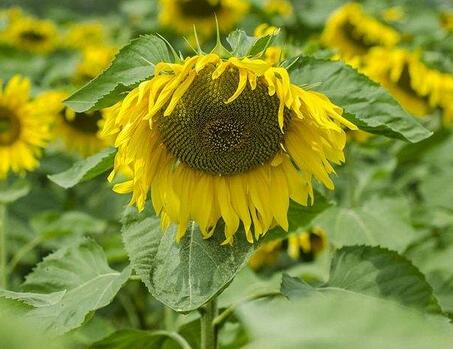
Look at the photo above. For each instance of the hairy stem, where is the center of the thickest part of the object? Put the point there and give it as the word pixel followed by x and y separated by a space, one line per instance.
pixel 208 329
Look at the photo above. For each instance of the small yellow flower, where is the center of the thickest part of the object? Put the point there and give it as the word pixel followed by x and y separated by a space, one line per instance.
pixel 85 35
pixel 393 14
pixel 31 34
pixel 229 139
pixel 352 32
pixel 183 15
pixel 278 7
pixel 418 88
pixel 80 132
pixel 94 60
pixel 309 242
pixel 266 255
pixel 447 21
pixel 24 127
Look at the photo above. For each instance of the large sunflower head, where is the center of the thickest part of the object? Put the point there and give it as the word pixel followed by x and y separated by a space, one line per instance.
pixel 183 15
pixel 230 139
pixel 31 34
pixel 404 76
pixel 352 32
pixel 80 132
pixel 24 127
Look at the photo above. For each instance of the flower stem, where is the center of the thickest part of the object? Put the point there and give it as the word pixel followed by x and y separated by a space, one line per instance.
pixel 3 248
pixel 208 329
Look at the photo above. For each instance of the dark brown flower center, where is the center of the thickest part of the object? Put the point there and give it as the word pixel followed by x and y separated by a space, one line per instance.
pixel 9 126
pixel 209 135
pixel 32 36
pixel 356 38
pixel 199 8
pixel 85 122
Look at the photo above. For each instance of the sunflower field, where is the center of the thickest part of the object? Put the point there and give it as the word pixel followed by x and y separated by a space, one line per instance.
pixel 222 174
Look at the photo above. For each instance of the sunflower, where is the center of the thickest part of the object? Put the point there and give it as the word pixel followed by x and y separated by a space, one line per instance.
pixel 307 244
pixel 94 60
pixel 278 7
pixel 85 35
pixel 80 132
pixel 24 126
pixel 222 138
pixel 353 33
pixel 183 15
pixel 447 21
pixel 418 88
pixel 31 34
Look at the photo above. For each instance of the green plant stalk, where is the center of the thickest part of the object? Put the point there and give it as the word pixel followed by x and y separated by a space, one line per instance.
pixel 208 329
pixel 3 248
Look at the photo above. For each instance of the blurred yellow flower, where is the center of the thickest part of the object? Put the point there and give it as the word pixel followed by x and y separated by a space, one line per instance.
pixel 85 35
pixel 393 14
pixel 278 7
pixel 31 34
pixel 352 32
pixel 80 132
pixel 24 126
pixel 183 15
pixel 418 88
pixel 95 59
pixel 308 243
pixel 447 21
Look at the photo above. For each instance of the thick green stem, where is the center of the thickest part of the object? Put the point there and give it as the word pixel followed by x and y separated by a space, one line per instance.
pixel 208 329
pixel 3 248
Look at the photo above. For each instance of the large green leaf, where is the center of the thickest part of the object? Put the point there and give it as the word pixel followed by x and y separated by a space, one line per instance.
pixel 85 169
pixel 371 271
pixel 383 273
pixel 78 280
pixel 12 191
pixel 134 63
pixel 53 224
pixel 342 321
pixel 186 274
pixel 378 222
pixel 433 256
pixel 127 339
pixel 365 103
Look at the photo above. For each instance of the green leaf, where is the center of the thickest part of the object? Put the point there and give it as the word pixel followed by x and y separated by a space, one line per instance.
pixel 81 270
pixel 247 284
pixel 10 192
pixel 365 103
pixel 436 189
pixel 342 321
pixel 187 274
pixel 299 217
pixel 371 271
pixel 54 224
pixel 134 63
pixel 243 45
pixel 85 169
pixel 34 299
pixel 127 339
pixel 378 222
pixel 379 272
pixel 17 332
pixel 433 255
